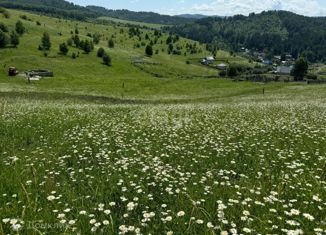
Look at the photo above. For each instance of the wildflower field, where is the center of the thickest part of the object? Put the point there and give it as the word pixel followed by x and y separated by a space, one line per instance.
pixel 235 168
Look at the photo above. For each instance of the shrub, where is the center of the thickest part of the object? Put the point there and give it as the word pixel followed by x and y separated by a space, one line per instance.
pixel 300 69
pixel 3 39
pixel 69 42
pixel 222 73
pixel 311 76
pixel 3 27
pixel 14 39
pixel 63 48
pixel 5 13
pixel 107 60
pixel 176 52
pixel 111 43
pixel 100 52
pixel 232 71
pixel 87 46
pixel 76 40
pixel 24 17
pixel 149 50
pixel 96 38
pixel 20 29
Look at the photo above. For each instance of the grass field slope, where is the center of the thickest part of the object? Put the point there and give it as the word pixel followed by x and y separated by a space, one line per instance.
pixel 131 75
pixel 152 144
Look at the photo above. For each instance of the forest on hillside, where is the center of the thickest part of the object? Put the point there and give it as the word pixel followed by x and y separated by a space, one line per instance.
pixel 57 8
pixel 273 32
pixel 64 9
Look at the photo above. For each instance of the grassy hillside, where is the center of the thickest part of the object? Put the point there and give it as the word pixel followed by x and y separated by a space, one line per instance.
pixel 132 75
pixel 129 22
pixel 114 150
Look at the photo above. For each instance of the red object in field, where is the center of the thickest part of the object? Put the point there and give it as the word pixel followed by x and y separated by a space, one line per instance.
pixel 12 71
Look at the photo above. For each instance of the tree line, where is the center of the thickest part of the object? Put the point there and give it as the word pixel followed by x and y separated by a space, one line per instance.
pixel 62 8
pixel 11 38
pixel 273 32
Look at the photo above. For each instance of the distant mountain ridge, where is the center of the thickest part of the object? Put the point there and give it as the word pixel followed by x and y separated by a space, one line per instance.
pixel 62 8
pixel 146 17
pixel 192 16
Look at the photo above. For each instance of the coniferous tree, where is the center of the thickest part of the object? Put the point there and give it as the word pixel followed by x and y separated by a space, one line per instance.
pixel 63 48
pixel 300 69
pixel 3 39
pixel 87 46
pixel 111 43
pixel 96 38
pixel 14 39
pixel 76 40
pixel 149 50
pixel 46 41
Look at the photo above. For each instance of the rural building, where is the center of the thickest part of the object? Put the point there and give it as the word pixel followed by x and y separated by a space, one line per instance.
pixel 208 60
pixel 267 62
pixel 221 66
pixel 284 69
pixel 40 73
pixel 12 71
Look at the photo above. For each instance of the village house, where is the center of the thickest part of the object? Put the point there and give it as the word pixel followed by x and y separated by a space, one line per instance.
pixel 221 66
pixel 208 60
pixel 284 70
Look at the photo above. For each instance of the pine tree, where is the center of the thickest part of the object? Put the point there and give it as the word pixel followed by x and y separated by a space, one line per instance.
pixel 149 50
pixel 46 42
pixel 63 48
pixel 87 47
pixel 14 39
pixel 3 39
pixel 76 40
pixel 111 43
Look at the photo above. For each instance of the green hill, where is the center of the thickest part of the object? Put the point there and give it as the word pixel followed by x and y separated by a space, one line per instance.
pixel 275 32
pixel 132 74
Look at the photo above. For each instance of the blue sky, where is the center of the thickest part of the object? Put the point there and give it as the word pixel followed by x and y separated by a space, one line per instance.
pixel 213 7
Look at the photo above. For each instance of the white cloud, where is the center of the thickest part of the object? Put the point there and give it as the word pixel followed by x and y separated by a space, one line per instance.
pixel 233 7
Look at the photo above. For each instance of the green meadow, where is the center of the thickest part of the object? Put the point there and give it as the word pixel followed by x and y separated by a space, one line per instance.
pixel 132 74
pixel 153 145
